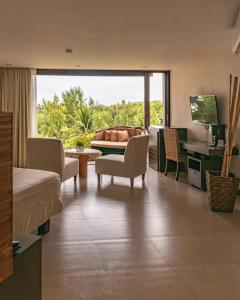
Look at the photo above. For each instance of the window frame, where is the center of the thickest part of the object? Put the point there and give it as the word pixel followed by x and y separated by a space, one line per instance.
pixel 142 73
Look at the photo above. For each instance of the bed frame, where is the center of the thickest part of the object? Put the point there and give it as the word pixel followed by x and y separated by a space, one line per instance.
pixel 44 228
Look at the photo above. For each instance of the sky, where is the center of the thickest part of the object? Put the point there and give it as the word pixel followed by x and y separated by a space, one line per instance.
pixel 104 89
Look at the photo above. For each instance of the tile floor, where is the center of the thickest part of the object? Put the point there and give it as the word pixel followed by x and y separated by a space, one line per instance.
pixel 157 242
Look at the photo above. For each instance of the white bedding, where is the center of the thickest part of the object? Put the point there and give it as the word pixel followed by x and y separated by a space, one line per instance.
pixel 36 197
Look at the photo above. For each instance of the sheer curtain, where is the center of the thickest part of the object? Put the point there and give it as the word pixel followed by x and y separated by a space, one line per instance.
pixel 18 95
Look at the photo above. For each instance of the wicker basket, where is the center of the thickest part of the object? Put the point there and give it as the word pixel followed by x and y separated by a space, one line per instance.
pixel 222 191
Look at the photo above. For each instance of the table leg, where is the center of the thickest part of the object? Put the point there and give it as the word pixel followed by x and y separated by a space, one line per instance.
pixel 83 165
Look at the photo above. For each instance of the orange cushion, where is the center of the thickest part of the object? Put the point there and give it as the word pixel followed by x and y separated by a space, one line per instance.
pixel 132 131
pixel 113 136
pixel 107 135
pixel 99 136
pixel 123 135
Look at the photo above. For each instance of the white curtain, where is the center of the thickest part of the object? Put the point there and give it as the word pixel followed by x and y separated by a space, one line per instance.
pixel 18 95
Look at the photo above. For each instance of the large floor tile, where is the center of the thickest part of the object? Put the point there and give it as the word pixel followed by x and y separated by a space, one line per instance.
pixel 103 229
pixel 210 223
pixel 154 284
pixel 164 226
pixel 110 212
pixel 189 251
pixel 70 213
pixel 77 286
pixel 213 282
pixel 142 209
pixel 71 257
pixel 62 232
pixel 229 244
pixel 129 254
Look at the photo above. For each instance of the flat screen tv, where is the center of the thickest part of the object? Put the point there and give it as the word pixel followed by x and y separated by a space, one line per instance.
pixel 204 109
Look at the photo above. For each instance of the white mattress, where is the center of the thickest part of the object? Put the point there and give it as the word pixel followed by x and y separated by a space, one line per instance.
pixel 36 197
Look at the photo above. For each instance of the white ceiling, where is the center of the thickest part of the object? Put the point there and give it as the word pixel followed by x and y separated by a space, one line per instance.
pixel 113 34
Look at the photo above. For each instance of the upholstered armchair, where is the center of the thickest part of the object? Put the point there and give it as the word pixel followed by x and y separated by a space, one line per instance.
pixel 48 154
pixel 132 164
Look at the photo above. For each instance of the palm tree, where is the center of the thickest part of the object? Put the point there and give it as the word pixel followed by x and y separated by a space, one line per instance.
pixel 85 121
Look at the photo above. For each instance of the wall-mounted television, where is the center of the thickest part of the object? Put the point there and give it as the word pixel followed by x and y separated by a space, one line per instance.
pixel 204 109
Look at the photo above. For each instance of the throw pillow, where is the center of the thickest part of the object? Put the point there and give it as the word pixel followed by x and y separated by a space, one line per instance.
pixel 123 135
pixel 107 135
pixel 132 131
pixel 113 136
pixel 139 132
pixel 99 136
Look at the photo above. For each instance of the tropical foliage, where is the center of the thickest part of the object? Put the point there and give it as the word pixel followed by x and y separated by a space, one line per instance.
pixel 75 119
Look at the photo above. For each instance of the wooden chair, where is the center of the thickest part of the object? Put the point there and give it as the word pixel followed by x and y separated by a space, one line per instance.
pixel 172 149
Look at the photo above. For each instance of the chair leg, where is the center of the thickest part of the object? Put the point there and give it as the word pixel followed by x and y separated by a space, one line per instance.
pixel 99 177
pixel 166 167
pixel 75 179
pixel 177 172
pixel 132 182
pixel 143 177
pixel 112 180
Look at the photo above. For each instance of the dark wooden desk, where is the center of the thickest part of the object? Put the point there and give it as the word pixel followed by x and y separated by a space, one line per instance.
pixel 26 281
pixel 202 157
pixel 202 148
pixel 201 153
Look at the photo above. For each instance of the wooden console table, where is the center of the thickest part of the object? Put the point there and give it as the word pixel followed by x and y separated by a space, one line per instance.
pixel 26 281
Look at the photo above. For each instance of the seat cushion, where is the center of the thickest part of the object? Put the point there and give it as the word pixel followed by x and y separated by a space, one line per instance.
pixel 112 164
pixel 71 168
pixel 109 144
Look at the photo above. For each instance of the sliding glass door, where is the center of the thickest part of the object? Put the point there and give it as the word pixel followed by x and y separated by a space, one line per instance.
pixel 156 95
pixel 81 103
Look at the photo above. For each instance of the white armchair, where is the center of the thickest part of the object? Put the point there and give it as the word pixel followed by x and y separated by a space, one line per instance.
pixel 132 164
pixel 48 154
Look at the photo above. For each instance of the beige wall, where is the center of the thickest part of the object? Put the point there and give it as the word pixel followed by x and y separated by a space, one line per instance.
pixel 202 76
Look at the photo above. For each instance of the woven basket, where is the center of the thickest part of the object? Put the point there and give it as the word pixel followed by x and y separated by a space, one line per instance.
pixel 222 191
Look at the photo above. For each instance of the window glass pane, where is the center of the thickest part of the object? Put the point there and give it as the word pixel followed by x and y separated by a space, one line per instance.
pixel 156 99
pixel 75 107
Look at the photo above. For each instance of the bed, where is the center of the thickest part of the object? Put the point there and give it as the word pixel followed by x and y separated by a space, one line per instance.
pixel 36 197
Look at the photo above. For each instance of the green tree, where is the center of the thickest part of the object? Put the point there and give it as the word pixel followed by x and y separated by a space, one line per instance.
pixel 51 118
pixel 76 118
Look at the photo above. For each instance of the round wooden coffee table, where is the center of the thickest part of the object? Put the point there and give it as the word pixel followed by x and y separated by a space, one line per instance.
pixel 83 156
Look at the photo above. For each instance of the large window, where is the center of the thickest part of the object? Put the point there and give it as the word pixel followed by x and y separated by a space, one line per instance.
pixel 73 108
pixel 156 99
